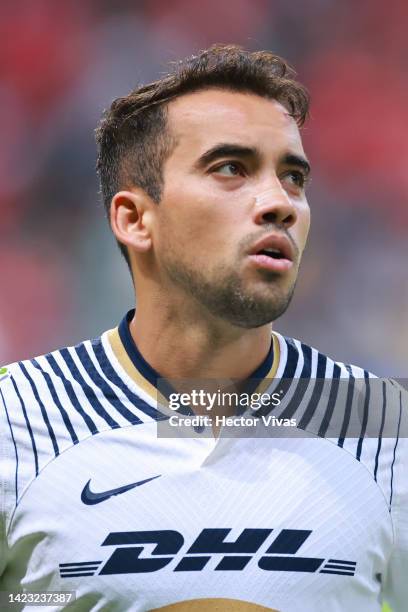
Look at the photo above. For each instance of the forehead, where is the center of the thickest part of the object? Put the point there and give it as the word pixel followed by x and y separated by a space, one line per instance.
pixel 199 119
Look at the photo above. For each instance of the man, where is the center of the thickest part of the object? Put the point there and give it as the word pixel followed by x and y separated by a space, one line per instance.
pixel 203 175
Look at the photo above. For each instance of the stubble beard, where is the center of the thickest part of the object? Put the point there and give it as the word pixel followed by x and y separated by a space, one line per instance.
pixel 223 294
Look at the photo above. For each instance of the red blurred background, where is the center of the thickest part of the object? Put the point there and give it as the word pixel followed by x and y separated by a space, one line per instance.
pixel 62 64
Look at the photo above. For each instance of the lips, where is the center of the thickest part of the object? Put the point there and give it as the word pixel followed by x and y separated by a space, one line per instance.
pixel 273 252
pixel 275 245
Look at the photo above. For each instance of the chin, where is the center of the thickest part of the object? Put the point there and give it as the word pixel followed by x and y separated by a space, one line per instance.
pixel 257 312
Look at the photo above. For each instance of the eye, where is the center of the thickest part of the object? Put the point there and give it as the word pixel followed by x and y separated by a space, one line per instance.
pixel 230 169
pixel 297 178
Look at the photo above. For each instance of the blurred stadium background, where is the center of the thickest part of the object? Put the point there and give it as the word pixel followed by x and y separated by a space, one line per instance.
pixel 63 62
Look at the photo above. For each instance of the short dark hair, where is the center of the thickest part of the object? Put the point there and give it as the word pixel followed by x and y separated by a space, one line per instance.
pixel 133 137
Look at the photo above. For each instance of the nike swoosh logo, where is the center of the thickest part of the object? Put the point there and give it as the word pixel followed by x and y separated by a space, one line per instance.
pixel 89 498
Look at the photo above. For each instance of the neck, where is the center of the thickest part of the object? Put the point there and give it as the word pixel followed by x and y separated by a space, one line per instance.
pixel 179 340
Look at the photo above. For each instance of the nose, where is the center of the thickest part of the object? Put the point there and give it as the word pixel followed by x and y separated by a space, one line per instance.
pixel 274 206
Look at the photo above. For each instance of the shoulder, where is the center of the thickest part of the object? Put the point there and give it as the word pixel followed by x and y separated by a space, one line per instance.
pixel 378 401
pixel 55 401
pixel 298 358
pixel 48 390
pixel 363 414
pixel 75 386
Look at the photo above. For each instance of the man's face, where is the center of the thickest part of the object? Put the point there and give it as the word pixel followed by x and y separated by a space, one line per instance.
pixel 233 220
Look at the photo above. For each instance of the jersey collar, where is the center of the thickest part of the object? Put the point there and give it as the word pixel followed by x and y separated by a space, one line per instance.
pixel 142 373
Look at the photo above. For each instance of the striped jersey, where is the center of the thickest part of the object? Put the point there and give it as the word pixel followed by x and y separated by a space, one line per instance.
pixel 95 500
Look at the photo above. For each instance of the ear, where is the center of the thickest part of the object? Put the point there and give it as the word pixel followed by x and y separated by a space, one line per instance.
pixel 130 219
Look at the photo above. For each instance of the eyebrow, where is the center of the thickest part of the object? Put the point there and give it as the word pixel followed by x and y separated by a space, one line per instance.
pixel 226 149
pixel 296 160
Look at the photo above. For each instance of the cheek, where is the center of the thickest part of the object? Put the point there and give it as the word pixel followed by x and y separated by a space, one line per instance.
pixel 303 226
pixel 196 219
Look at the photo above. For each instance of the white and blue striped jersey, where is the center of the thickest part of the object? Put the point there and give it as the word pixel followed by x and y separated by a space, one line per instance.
pixel 94 501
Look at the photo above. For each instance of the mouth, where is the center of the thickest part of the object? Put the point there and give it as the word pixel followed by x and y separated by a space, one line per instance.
pixel 274 253
pixel 273 264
